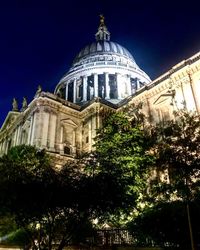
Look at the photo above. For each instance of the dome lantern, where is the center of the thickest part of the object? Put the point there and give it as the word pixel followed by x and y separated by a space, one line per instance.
pixel 102 34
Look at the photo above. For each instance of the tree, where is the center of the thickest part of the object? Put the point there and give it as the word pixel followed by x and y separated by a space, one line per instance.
pixel 178 156
pixel 43 201
pixel 50 205
pixel 120 163
pixel 165 225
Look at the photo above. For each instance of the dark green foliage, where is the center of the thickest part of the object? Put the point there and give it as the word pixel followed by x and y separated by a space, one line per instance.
pixel 17 238
pixel 43 201
pixel 7 225
pixel 166 225
pixel 59 206
pixel 120 164
pixel 177 152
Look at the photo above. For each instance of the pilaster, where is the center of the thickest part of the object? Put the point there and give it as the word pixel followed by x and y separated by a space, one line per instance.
pixel 33 129
pixel 19 135
pixel 90 134
pixel 30 130
pixel 45 127
pixel 15 137
pixel 52 132
pixel 38 129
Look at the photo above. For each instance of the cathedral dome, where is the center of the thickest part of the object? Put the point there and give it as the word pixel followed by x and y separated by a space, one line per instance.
pixel 103 52
pixel 102 69
pixel 101 47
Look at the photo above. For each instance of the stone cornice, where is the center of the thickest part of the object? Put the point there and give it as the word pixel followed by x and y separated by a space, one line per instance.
pixel 167 77
pixel 174 69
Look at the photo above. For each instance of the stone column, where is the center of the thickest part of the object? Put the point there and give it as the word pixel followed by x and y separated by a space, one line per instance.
pixel 138 83
pixel 107 90
pixel 95 85
pixel 19 135
pixel 128 85
pixel 4 147
pixel 118 80
pixel 15 137
pixel 84 88
pixel 61 147
pixel 93 129
pixel 74 142
pixel 30 130
pixel 58 132
pixel 52 132
pixel 33 130
pixel 66 91
pixel 45 127
pixel 81 137
pixel 17 131
pixel 1 146
pixel 74 91
pixel 38 129
pixel 90 134
pixel 195 91
pixel 61 134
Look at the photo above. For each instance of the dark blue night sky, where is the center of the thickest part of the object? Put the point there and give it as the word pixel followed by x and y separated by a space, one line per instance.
pixel 39 39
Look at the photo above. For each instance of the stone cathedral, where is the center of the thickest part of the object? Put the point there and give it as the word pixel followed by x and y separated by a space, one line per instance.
pixel 103 76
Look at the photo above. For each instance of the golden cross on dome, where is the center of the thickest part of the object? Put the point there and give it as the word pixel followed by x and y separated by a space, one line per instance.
pixel 102 34
pixel 102 20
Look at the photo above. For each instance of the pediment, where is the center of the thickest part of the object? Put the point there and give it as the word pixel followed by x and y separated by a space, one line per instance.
pixel 163 98
pixel 69 122
pixel 10 119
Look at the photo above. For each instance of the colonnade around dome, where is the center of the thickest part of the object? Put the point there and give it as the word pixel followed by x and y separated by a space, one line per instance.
pixel 106 85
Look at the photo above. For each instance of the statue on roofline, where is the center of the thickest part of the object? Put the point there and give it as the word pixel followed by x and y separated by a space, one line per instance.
pixel 39 90
pixel 24 104
pixel 15 105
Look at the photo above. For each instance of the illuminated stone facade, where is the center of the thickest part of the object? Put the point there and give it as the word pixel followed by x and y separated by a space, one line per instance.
pixel 103 76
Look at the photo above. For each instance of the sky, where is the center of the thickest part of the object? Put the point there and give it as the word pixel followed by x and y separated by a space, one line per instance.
pixel 39 39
